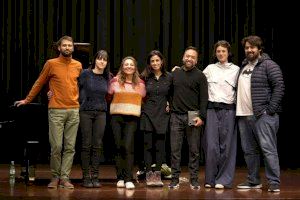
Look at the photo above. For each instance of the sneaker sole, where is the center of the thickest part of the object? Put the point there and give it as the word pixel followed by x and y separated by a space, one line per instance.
pixel 250 187
pixel 167 177
pixel 150 184
pixel 174 187
pixel 219 186
pixel 155 185
pixel 52 187
pixel 276 190
pixel 130 188
pixel 61 186
pixel 121 186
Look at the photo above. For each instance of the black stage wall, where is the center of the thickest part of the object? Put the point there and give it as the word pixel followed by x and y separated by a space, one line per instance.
pixel 134 27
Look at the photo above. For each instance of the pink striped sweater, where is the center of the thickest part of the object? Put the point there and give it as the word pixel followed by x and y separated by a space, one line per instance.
pixel 126 100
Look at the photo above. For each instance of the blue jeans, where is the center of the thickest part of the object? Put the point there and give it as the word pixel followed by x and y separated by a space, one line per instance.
pixel 260 134
pixel 92 126
pixel 179 126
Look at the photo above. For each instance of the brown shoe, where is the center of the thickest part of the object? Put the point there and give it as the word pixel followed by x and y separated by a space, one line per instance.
pixel 54 183
pixel 66 184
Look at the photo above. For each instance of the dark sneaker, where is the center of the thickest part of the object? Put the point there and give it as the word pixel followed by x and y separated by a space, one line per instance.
pixel 87 182
pixel 96 183
pixel 174 184
pixel 141 175
pixel 247 185
pixel 66 184
pixel 195 184
pixel 274 188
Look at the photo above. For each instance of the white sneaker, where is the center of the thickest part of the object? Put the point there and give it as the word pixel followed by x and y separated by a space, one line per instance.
pixel 219 186
pixel 129 185
pixel 120 184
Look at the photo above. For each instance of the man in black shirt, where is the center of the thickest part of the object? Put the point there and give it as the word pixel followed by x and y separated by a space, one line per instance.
pixel 190 93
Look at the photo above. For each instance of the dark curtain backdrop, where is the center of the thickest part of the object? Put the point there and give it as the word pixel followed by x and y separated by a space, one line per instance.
pixel 135 27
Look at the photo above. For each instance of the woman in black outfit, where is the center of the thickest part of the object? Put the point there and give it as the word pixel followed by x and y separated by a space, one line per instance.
pixel 93 86
pixel 154 120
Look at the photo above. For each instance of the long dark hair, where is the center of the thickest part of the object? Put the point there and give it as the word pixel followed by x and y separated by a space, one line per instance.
pixel 102 54
pixel 147 72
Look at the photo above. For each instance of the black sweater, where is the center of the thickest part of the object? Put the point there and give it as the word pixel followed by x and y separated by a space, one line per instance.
pixel 93 89
pixel 190 91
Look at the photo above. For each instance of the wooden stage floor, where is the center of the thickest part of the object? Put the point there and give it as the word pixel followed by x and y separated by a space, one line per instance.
pixel 290 187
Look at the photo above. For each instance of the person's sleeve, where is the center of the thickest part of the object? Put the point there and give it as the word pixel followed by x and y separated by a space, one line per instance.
pixel 39 83
pixel 111 88
pixel 142 88
pixel 203 97
pixel 275 79
pixel 81 81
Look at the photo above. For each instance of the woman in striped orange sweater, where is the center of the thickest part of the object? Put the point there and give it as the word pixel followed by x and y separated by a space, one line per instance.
pixel 127 91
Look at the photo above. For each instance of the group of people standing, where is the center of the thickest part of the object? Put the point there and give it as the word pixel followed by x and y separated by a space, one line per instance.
pixel 221 98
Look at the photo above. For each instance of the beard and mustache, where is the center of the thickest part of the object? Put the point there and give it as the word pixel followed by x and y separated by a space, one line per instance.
pixel 252 56
pixel 66 53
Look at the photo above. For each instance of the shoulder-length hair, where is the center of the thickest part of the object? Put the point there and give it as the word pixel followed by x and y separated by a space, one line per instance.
pixel 148 71
pixel 122 75
pixel 99 55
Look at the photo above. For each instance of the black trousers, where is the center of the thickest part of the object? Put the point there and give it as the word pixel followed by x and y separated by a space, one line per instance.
pixel 124 128
pixel 179 127
pixel 154 150
pixel 92 126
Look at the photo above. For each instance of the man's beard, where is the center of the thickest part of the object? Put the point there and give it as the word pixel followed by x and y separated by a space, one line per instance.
pixel 66 53
pixel 251 57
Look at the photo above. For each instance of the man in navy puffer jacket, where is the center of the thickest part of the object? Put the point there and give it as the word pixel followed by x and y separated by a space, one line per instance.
pixel 259 96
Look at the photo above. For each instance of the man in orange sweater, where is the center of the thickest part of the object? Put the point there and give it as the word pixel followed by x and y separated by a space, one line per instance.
pixel 61 74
